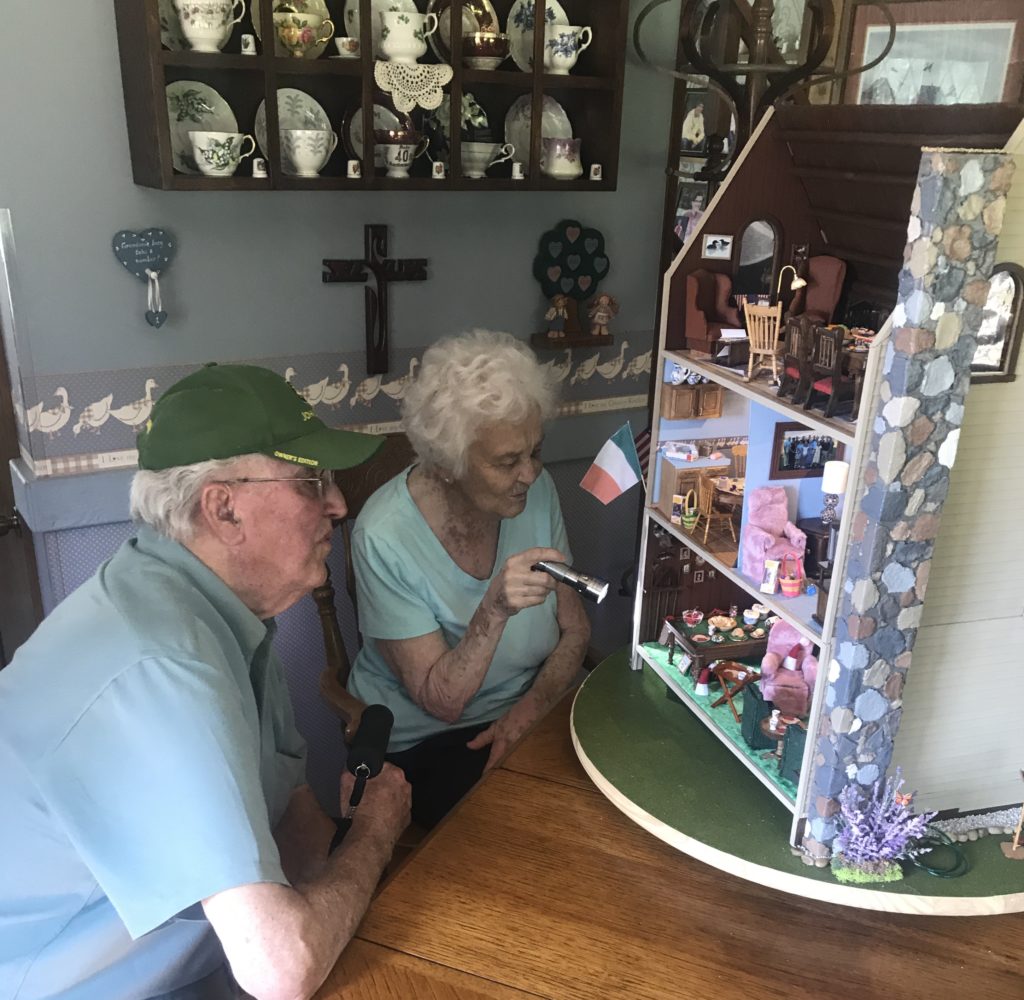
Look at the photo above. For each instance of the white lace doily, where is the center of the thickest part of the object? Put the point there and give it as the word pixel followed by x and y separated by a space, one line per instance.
pixel 412 85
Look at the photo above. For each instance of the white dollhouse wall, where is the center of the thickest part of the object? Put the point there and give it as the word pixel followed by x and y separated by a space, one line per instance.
pixel 961 739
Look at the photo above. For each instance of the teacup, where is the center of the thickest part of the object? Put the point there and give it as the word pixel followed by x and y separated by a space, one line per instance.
pixel 478 156
pixel 560 158
pixel 348 48
pixel 400 148
pixel 563 44
pixel 304 151
pixel 484 50
pixel 298 33
pixel 207 24
pixel 403 35
pixel 217 154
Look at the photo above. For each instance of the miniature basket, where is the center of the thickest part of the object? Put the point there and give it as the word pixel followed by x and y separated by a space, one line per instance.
pixel 690 512
pixel 791 575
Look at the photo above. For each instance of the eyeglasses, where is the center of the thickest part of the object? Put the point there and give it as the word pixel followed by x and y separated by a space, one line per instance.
pixel 322 481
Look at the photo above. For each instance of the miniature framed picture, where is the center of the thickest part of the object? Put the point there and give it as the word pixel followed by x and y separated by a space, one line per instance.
pixel 716 247
pixel 694 135
pixel 770 577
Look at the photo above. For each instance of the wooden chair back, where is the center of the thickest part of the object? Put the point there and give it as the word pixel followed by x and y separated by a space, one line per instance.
pixel 763 327
pixel 827 356
pixel 799 340
pixel 739 461
pixel 705 495
pixel 357 486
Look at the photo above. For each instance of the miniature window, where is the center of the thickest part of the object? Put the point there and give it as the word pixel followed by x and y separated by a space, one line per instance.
pixel 995 359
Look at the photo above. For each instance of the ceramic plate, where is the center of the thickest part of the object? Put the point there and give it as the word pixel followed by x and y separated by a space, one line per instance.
pixel 477 15
pixel 723 622
pixel 520 32
pixel 352 131
pixel 295 109
pixel 194 107
pixel 700 637
pixel 317 7
pixel 170 29
pixel 376 6
pixel 554 124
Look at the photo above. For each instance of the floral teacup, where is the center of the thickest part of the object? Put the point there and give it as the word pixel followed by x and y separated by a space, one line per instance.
pixel 403 35
pixel 560 158
pixel 298 33
pixel 306 150
pixel 563 44
pixel 478 156
pixel 207 24
pixel 217 154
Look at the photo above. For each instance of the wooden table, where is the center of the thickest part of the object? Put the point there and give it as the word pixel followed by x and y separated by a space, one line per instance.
pixel 856 362
pixel 536 886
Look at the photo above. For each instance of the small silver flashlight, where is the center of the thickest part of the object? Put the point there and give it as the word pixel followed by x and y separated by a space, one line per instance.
pixel 590 587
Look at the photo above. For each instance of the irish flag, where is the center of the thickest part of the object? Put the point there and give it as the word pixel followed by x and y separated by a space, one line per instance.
pixel 616 467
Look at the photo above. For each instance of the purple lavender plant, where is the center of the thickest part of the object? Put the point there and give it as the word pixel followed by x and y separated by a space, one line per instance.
pixel 878 825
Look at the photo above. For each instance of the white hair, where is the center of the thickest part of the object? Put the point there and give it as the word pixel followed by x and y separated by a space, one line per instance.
pixel 166 500
pixel 467 382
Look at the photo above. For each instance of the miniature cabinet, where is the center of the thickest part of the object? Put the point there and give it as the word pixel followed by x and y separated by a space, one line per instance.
pixel 687 402
pixel 588 100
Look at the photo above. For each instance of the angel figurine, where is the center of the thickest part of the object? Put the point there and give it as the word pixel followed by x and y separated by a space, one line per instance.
pixel 556 316
pixel 601 311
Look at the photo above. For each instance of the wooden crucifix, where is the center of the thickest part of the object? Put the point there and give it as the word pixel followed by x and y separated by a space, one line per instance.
pixel 383 271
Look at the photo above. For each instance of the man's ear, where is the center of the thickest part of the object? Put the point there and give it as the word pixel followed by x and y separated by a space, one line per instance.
pixel 217 514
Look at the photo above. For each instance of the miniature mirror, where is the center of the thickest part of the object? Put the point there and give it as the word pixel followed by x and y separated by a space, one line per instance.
pixel 758 259
pixel 995 358
pixel 799 453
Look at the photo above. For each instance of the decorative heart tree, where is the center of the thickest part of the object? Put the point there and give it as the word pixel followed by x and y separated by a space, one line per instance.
pixel 570 264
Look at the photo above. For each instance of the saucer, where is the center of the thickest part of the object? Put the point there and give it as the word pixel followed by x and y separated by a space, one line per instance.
pixel 354 55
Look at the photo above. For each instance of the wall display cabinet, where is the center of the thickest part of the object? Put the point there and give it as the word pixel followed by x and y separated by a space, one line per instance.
pixel 342 94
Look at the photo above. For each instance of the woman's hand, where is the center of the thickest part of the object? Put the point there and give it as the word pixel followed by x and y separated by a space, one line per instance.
pixel 518 586
pixel 504 733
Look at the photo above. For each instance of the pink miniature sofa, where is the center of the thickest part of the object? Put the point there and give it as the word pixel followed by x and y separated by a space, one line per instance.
pixel 769 533
pixel 788 670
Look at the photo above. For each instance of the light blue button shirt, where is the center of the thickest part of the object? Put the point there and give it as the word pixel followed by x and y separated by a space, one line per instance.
pixel 147 750
pixel 407 585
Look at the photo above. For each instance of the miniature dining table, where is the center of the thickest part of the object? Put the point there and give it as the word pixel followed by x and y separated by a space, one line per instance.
pixel 855 361
pixel 536 887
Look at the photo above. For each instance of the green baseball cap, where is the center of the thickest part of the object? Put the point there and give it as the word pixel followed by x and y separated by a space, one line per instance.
pixel 222 411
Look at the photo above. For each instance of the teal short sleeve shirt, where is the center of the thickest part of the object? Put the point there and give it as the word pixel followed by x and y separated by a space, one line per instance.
pixel 147 750
pixel 407 586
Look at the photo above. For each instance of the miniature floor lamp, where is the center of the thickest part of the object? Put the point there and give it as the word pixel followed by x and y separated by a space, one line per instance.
pixel 833 486
pixel 795 284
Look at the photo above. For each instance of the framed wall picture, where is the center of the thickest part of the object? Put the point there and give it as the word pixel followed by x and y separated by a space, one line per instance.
pixel 716 247
pixel 1002 324
pixel 945 52
pixel 799 453
pixel 693 137
pixel 691 200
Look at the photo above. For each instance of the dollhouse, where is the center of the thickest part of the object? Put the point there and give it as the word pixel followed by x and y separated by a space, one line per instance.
pixel 789 632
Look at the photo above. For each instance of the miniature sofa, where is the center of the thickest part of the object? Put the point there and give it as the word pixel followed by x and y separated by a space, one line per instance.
pixel 788 670
pixel 768 532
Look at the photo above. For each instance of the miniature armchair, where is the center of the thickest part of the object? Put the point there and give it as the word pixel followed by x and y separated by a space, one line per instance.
pixel 708 309
pixel 768 533
pixel 788 670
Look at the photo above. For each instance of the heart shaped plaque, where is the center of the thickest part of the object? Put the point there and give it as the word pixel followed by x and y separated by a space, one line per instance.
pixel 152 249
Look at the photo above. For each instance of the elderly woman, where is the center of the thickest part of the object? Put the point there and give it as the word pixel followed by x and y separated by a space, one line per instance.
pixel 463 640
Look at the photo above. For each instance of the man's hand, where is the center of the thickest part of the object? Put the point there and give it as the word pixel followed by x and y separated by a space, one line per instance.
pixel 386 802
pixel 517 586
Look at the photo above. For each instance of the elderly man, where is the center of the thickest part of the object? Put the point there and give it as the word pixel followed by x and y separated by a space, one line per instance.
pixel 155 828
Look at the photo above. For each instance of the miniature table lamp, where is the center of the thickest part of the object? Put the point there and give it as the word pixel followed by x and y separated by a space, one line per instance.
pixel 796 283
pixel 833 486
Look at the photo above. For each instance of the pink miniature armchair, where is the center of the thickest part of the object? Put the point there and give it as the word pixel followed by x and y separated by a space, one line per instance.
pixel 768 533
pixel 788 670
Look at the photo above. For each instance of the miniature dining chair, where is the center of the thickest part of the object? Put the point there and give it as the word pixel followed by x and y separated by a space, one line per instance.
pixel 796 358
pixel 827 369
pixel 739 461
pixel 763 331
pixel 706 508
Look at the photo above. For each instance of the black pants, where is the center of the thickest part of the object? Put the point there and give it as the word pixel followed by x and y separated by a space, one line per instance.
pixel 441 770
